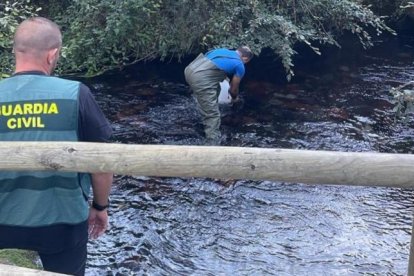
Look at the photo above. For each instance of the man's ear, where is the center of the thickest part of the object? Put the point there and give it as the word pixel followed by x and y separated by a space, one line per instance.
pixel 245 59
pixel 52 55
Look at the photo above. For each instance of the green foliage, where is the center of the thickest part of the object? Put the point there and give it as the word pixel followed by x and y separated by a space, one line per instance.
pixel 104 34
pixel 99 35
pixel 20 258
pixel 51 8
pixel 393 9
pixel 403 99
pixel 11 14
pixel 279 25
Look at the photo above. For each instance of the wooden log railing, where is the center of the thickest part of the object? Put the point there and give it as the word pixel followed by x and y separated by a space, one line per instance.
pixel 9 270
pixel 303 166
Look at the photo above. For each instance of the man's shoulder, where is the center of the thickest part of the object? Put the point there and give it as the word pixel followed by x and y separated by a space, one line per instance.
pixel 64 80
pixel 40 82
pixel 223 51
pixel 44 78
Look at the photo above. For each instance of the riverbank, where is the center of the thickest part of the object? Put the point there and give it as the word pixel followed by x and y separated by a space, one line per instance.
pixel 21 258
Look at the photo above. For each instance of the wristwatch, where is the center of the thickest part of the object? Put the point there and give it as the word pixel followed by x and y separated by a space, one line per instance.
pixel 98 207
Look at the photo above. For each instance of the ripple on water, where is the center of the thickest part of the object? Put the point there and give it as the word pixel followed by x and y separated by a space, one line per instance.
pixel 261 227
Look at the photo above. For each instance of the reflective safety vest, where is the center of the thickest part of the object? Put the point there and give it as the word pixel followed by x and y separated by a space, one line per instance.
pixel 41 108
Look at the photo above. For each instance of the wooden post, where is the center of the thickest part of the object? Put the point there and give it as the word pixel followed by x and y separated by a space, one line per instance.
pixel 303 166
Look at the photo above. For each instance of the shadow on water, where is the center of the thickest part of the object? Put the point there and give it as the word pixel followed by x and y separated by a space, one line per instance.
pixel 173 226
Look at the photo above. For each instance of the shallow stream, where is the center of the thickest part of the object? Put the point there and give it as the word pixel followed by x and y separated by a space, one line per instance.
pixel 173 226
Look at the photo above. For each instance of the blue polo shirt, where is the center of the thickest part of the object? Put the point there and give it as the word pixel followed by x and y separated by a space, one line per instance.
pixel 227 60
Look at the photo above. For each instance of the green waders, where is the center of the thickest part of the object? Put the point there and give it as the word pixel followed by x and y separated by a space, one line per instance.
pixel 204 78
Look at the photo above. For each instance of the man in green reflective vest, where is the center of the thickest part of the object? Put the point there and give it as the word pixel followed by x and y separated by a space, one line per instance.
pixel 204 75
pixel 48 211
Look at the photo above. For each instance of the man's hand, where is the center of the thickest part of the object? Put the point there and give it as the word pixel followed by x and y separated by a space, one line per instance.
pixel 98 222
pixel 235 100
pixel 233 96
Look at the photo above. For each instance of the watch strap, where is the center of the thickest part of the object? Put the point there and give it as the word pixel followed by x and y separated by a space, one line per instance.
pixel 98 207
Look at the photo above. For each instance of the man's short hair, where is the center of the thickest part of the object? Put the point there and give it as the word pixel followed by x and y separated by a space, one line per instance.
pixel 37 34
pixel 245 52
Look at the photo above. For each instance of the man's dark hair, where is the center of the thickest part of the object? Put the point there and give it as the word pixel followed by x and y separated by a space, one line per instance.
pixel 245 52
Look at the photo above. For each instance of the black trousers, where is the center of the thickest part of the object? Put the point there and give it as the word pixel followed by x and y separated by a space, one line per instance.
pixel 71 261
pixel 62 248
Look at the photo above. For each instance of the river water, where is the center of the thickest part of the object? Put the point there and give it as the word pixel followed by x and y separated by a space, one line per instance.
pixel 174 226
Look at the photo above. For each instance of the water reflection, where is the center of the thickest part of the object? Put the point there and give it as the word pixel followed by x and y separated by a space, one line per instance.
pixel 173 226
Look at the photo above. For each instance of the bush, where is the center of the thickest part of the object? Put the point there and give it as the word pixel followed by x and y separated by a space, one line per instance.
pixel 104 34
pixel 112 33
pixel 11 13
pixel 403 100
pixel 100 35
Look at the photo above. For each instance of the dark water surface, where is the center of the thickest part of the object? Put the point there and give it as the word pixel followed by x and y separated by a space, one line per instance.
pixel 173 226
